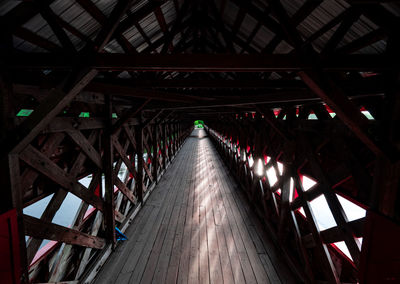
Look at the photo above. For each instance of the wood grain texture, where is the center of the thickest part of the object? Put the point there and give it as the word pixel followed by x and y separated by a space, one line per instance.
pixel 196 228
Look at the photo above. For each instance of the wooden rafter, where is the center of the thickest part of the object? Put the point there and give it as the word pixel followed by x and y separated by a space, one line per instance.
pixel 52 20
pixel 176 28
pixel 326 88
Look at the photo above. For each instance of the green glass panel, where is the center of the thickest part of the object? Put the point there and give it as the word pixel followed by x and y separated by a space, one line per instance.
pixel 25 112
pixel 84 114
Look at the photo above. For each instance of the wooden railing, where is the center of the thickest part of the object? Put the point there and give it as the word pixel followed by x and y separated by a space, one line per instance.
pixel 269 155
pixel 130 160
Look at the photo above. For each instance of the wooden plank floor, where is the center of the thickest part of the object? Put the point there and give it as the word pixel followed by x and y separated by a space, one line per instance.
pixel 196 228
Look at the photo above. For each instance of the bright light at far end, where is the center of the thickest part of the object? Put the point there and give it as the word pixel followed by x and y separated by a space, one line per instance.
pixel 260 168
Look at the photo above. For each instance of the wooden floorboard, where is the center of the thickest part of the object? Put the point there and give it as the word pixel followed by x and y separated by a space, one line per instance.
pixel 196 227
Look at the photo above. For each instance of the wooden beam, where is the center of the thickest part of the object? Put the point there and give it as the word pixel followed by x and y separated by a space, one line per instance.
pixel 52 19
pixel 157 43
pixel 205 62
pixel 322 85
pixel 93 10
pixel 332 200
pixel 362 42
pixel 86 146
pixel 261 16
pixel 150 120
pixel 41 163
pixel 164 145
pixel 22 13
pixel 61 264
pixel 86 255
pixel 155 159
pixel 61 97
pixel 124 189
pixel 345 110
pixel 143 34
pixel 134 92
pixel 334 234
pixel 380 16
pixel 111 24
pixel 177 27
pixel 58 198
pixel 37 40
pixel 217 84
pixel 98 15
pixel 332 23
pixel 45 230
pixel 14 177
pixel 138 15
pixel 46 111
pixel 61 124
pixel 351 17
pixel 303 12
pixel 141 88
pixel 134 111
pixel 108 167
pixel 140 162
pixel 124 157
pixel 272 98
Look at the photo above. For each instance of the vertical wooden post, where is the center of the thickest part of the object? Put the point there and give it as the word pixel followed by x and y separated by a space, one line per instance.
pixel 386 197
pixel 164 148
pixel 109 205
pixel 6 114
pixel 171 140
pixel 139 148
pixel 10 180
pixel 6 201
pixel 179 135
pixel 155 152
pixel 15 183
pixel 174 134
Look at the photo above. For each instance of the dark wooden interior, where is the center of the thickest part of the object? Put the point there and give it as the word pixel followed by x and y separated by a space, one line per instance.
pixel 92 88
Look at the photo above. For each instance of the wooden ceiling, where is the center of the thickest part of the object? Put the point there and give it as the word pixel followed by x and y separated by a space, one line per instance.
pixel 139 64
pixel 202 55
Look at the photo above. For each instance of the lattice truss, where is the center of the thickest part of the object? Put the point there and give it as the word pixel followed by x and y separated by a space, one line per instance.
pixel 98 95
pixel 72 160
pixel 284 172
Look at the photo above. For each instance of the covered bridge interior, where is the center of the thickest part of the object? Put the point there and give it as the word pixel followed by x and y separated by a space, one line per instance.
pixel 293 178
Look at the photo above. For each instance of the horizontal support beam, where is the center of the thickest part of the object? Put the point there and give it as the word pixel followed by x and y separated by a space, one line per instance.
pixel 127 90
pixel 273 98
pixel 203 62
pixel 45 230
pixel 92 91
pixel 141 93
pixel 215 84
